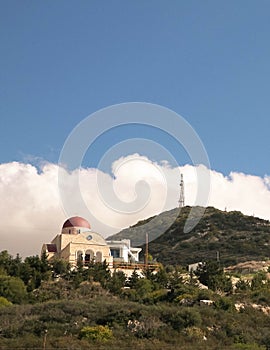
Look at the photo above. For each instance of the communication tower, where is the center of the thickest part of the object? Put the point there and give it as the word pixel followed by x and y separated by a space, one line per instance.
pixel 182 193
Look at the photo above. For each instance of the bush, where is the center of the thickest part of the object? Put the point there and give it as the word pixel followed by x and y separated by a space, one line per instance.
pixel 96 333
pixel 242 285
pixel 224 303
pixel 4 302
pixel 145 327
pixel 195 333
pixel 187 317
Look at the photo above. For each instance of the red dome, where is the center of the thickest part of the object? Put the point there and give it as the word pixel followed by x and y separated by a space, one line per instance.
pixel 76 221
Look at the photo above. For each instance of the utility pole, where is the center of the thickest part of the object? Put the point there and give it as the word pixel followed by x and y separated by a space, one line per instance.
pixel 146 251
pixel 182 193
pixel 44 339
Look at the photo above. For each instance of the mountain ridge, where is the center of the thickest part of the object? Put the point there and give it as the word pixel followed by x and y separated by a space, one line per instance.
pixel 235 236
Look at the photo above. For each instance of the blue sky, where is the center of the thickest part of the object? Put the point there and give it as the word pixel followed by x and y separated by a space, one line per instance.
pixel 206 60
pixel 63 60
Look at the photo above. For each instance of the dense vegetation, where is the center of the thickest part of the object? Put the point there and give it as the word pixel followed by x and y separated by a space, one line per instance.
pixel 235 236
pixel 48 305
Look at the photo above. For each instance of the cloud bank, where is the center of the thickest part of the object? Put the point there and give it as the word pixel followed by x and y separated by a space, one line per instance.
pixel 32 212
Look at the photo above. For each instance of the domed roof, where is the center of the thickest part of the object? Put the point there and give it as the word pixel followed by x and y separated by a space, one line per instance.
pixel 76 221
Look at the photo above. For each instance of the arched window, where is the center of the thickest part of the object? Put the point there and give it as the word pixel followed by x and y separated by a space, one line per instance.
pixel 79 255
pixel 89 256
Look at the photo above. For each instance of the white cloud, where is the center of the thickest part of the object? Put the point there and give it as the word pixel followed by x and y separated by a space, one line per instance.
pixel 31 211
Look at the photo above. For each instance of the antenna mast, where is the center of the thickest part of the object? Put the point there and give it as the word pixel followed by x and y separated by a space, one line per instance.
pixel 182 193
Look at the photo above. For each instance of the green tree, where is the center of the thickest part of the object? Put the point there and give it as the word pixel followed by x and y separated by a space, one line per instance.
pixel 143 287
pixel 44 263
pixel 15 267
pixel 80 265
pixel 60 267
pixel 99 272
pixel 5 260
pixel 259 280
pixel 213 276
pixel 187 317
pixel 175 278
pixel 13 289
pixel 26 273
pixel 116 282
pixel 224 303
pixel 133 279
pixel 35 270
pixel 76 278
pixel 161 278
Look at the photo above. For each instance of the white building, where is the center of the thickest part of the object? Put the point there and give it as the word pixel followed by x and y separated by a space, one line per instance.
pixel 78 242
pixel 121 251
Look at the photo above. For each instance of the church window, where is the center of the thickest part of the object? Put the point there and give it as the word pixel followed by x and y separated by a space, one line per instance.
pixel 89 256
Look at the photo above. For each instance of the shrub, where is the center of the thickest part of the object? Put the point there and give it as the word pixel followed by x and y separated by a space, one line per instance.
pixel 204 294
pixel 242 285
pixel 4 302
pixel 187 317
pixel 224 303
pixel 96 333
pixel 147 326
pixel 195 333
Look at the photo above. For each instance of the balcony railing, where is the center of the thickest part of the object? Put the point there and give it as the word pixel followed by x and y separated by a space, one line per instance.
pixel 134 265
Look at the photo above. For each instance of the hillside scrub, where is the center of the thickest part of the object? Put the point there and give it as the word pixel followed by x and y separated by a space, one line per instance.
pixel 84 307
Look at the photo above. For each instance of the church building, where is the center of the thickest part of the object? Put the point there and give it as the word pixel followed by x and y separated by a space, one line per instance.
pixel 78 242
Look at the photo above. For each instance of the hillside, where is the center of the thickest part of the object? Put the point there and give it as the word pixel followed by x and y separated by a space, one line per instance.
pixel 90 308
pixel 49 305
pixel 235 236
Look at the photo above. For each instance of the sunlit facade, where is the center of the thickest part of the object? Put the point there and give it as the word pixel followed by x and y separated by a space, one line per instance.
pixel 78 242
